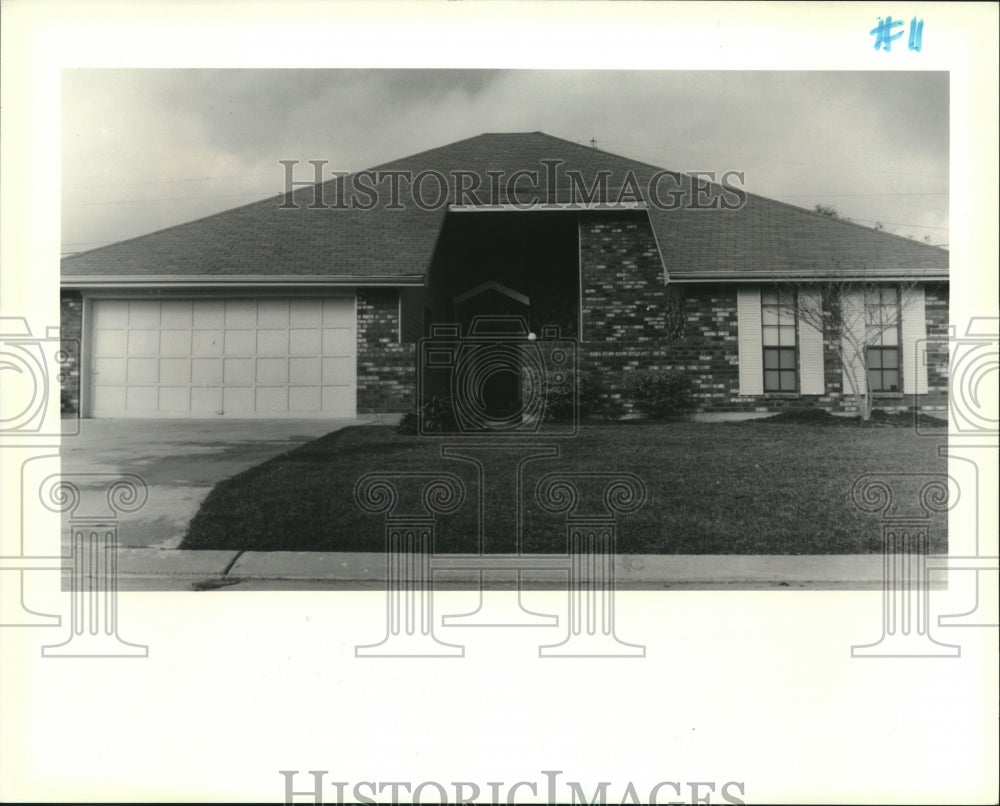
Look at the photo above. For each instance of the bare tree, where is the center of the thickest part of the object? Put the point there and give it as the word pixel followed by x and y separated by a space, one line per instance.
pixel 860 321
pixel 830 211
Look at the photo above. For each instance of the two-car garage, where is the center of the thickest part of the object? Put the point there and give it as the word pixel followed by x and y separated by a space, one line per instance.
pixel 236 356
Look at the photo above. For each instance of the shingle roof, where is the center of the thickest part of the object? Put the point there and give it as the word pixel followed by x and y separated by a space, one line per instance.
pixel 762 238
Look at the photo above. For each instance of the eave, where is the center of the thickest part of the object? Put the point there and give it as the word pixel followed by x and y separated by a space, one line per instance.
pixel 195 281
pixel 787 277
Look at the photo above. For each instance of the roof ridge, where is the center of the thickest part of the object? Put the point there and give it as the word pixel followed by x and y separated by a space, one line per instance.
pixel 755 195
pixel 186 223
pixel 614 154
pixel 419 153
pixel 304 188
pixel 845 221
pixel 621 157
pixel 390 162
pixel 229 210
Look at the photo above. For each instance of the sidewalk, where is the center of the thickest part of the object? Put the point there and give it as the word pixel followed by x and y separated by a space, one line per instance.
pixel 177 570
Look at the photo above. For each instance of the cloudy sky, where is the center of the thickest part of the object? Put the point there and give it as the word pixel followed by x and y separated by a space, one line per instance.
pixel 146 149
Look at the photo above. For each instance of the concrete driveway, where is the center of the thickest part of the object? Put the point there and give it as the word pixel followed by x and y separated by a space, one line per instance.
pixel 180 460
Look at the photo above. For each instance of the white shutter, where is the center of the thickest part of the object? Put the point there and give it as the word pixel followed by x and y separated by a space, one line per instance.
pixel 913 330
pixel 811 377
pixel 749 338
pixel 853 307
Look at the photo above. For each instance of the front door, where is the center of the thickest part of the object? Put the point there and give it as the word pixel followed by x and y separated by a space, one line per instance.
pixel 500 383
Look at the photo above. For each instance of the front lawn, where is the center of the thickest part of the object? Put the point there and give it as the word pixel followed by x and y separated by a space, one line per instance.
pixel 753 487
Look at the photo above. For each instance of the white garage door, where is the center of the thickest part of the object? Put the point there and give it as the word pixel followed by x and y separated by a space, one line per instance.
pixel 240 357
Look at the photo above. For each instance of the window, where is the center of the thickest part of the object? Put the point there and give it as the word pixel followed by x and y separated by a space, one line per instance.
pixel 882 338
pixel 777 337
pixel 778 331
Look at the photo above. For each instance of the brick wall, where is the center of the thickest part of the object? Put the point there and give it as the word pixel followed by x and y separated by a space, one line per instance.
pixel 70 324
pixel 386 368
pixel 622 280
pixel 936 398
pixel 631 321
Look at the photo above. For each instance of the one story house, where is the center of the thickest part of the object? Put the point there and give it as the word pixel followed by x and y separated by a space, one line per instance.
pixel 312 303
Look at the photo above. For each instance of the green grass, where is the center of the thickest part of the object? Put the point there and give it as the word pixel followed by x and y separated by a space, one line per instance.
pixel 753 487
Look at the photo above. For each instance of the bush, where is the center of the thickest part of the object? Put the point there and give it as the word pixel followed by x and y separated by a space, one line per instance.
pixel 596 399
pixel 659 394
pixel 589 392
pixel 407 424
pixel 560 397
pixel 437 414
pixel 573 388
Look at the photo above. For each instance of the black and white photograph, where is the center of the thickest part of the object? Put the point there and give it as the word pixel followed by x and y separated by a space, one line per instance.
pixel 635 416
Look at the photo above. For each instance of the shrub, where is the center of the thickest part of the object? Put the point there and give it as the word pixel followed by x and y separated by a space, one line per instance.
pixel 590 393
pixel 437 414
pixel 596 399
pixel 573 388
pixel 407 424
pixel 560 397
pixel 659 394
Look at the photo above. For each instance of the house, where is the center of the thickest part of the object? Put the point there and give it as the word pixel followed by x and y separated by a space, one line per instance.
pixel 313 303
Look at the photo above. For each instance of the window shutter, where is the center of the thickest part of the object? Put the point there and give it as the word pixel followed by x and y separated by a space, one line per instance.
pixel 913 329
pixel 811 377
pixel 853 307
pixel 750 350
